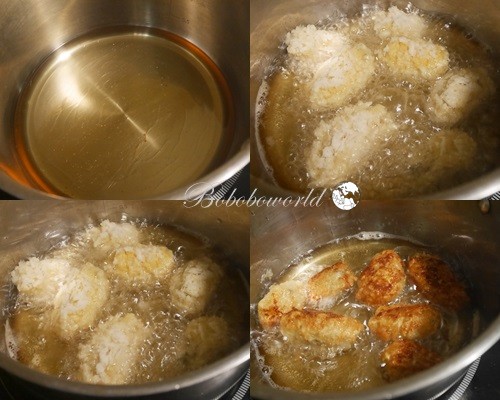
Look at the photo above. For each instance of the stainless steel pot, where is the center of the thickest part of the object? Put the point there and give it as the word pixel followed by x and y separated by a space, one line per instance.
pixel 271 20
pixel 30 30
pixel 31 226
pixel 279 235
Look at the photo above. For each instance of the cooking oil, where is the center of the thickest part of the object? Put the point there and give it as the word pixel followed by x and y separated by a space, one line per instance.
pixel 122 114
pixel 317 368
pixel 286 120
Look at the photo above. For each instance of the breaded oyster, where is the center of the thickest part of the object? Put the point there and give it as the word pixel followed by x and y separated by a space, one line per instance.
pixel 113 351
pixel 436 280
pixel 311 326
pixel 405 321
pixel 327 285
pixel 383 280
pixel 281 299
pixel 193 285
pixel 142 263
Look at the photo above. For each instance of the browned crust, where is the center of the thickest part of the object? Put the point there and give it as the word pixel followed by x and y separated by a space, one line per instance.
pixel 405 321
pixel 436 281
pixel 383 280
pixel 406 357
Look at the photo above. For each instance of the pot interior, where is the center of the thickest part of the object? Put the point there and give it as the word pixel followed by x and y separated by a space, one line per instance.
pixel 456 229
pixel 116 62
pixel 29 228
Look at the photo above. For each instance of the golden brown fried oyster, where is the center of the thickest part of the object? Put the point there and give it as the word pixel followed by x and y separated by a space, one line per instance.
pixel 281 298
pixel 436 281
pixel 383 280
pixel 327 285
pixel 405 321
pixel 406 357
pixel 310 326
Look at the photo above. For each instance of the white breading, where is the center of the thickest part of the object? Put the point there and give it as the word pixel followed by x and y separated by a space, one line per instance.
pixel 342 76
pixel 204 340
pixel 113 351
pixel 39 281
pixel 142 263
pixel 308 47
pixel 281 299
pixel 79 302
pixel 396 22
pixel 192 286
pixel 74 296
pixel 415 59
pixel 342 145
pixel 110 235
pixel 457 94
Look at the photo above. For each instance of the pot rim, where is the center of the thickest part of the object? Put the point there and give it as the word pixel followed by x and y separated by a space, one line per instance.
pixel 220 367
pixel 202 185
pixel 414 383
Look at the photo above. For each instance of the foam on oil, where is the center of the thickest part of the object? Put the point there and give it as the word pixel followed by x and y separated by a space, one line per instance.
pixel 123 114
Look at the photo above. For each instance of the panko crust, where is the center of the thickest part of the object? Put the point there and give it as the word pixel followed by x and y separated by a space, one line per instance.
pixel 406 357
pixel 383 280
pixel 415 59
pixel 327 285
pixel 437 282
pixel 328 328
pixel 281 299
pixel 192 286
pixel 405 321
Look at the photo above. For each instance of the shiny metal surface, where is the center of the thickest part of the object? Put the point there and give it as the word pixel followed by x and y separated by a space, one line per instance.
pixel 279 235
pixel 271 20
pixel 31 226
pixel 31 30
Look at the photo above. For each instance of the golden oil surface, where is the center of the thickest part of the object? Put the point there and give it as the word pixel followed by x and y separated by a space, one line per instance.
pixel 123 115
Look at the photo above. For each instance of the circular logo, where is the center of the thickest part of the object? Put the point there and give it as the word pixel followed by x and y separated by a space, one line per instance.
pixel 346 196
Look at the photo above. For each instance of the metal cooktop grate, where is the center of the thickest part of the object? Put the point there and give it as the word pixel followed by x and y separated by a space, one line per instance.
pixel 458 390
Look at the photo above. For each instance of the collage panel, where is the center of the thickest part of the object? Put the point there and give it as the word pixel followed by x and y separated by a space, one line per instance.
pixel 399 98
pixel 123 299
pixel 123 99
pixel 393 299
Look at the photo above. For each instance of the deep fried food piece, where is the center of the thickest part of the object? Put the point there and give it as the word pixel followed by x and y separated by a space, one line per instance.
pixel 39 281
pixel 144 264
pixel 383 280
pixel 343 143
pixel 396 22
pixel 280 299
pixel 415 59
pixel 310 326
pixel 458 94
pixel 79 303
pixel 406 321
pixel 113 351
pixel 193 286
pixel 327 285
pixel 436 280
pixel 406 357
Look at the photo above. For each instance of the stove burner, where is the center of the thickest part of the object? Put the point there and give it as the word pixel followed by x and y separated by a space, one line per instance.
pixel 458 390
